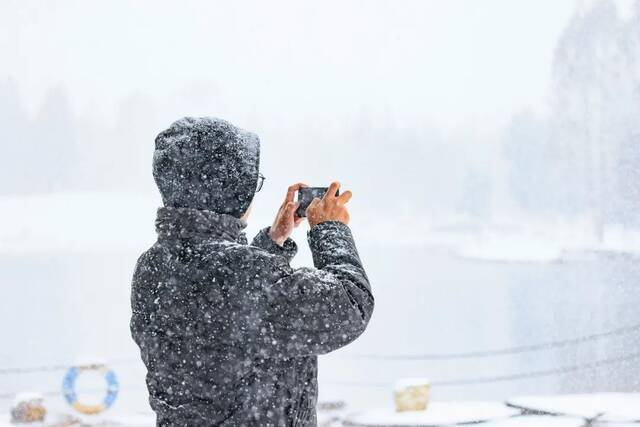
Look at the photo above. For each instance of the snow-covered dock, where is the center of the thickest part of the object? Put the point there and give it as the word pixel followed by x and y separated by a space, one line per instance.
pixel 580 410
pixel 589 410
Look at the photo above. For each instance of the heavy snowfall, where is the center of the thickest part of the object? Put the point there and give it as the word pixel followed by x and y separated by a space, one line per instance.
pixel 492 150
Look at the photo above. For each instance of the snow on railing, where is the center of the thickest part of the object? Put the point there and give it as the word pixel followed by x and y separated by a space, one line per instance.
pixel 442 356
pixel 503 378
pixel 551 345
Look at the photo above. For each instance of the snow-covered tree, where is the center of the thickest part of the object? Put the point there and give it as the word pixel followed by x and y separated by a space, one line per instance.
pixel 585 158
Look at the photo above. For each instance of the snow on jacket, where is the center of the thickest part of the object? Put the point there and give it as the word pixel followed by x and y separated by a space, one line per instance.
pixel 228 331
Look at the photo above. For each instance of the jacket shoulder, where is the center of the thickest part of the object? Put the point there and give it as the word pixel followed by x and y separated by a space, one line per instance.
pixel 254 275
pixel 253 259
pixel 150 259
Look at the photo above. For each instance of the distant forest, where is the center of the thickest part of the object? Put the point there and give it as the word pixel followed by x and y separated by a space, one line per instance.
pixel 579 158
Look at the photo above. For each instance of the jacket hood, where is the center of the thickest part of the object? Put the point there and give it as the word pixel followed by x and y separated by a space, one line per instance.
pixel 208 164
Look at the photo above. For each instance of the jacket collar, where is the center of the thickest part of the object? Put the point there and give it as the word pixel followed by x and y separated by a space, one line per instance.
pixel 186 223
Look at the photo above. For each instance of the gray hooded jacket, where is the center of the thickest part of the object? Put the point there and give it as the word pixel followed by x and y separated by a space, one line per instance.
pixel 229 332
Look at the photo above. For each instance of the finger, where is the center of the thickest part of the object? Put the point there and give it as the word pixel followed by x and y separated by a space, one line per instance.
pixel 297 220
pixel 290 209
pixel 344 197
pixel 292 190
pixel 313 203
pixel 331 192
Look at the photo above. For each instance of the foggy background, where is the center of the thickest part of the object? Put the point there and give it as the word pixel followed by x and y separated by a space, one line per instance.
pixel 492 148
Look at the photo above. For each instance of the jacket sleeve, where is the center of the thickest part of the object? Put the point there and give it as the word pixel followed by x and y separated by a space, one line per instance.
pixel 263 241
pixel 314 311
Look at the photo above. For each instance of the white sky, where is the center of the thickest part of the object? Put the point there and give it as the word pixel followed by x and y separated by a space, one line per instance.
pixel 448 62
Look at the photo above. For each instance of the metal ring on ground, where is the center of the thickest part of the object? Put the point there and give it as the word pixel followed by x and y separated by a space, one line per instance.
pixel 69 385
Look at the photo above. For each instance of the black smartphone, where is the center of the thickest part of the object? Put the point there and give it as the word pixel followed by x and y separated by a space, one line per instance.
pixel 306 196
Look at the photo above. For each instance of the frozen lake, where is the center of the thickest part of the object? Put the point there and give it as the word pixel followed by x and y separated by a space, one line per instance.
pixel 58 309
pixel 429 302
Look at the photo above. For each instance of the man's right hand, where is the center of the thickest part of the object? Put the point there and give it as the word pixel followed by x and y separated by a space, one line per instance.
pixel 330 207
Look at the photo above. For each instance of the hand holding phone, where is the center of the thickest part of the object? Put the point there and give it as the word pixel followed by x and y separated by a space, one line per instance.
pixel 286 219
pixel 330 208
pixel 306 196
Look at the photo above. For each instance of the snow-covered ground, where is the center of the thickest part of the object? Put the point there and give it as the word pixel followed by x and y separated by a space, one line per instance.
pixel 76 222
pixel 67 222
pixel 508 239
